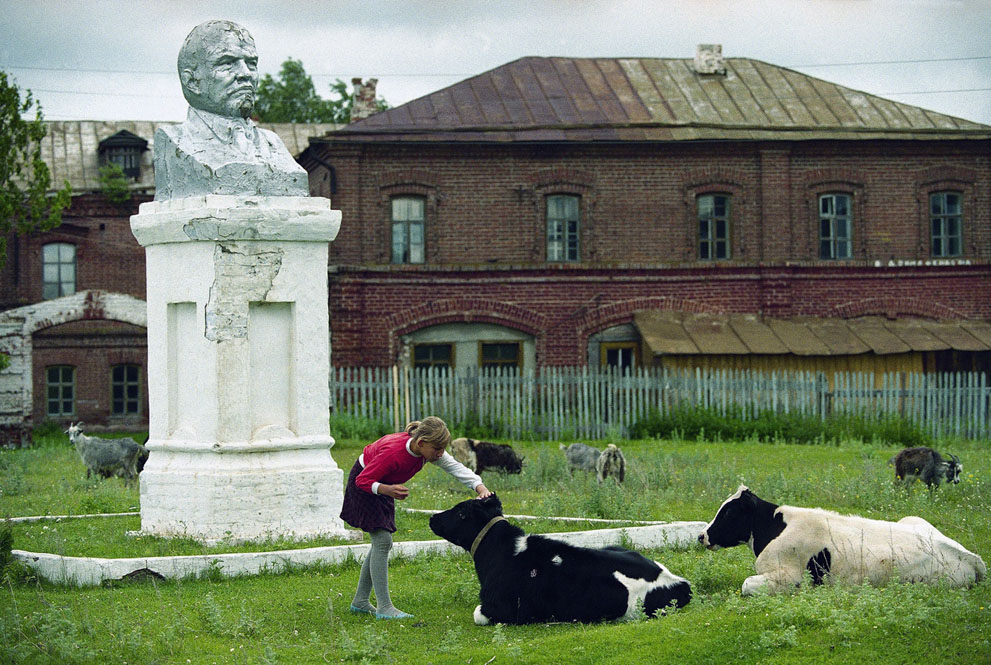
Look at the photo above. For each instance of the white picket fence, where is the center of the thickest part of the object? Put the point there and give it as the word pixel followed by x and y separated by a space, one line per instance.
pixel 594 403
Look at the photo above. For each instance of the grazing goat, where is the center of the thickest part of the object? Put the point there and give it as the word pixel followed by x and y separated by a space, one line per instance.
pixel 927 464
pixel 481 455
pixel 605 463
pixel 108 457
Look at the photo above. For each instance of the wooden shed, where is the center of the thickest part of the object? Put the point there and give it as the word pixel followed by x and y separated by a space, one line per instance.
pixel 873 344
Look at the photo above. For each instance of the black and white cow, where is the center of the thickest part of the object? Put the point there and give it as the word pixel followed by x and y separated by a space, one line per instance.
pixel 534 579
pixel 790 541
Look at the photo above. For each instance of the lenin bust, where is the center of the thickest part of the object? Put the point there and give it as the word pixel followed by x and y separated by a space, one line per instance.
pixel 218 149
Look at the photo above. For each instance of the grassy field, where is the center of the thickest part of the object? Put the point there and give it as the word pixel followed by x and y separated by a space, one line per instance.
pixel 301 616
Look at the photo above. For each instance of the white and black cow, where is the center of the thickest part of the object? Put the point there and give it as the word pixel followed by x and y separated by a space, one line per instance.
pixel 534 579
pixel 789 542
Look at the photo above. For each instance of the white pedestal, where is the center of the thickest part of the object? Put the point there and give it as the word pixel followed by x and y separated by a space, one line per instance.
pixel 238 368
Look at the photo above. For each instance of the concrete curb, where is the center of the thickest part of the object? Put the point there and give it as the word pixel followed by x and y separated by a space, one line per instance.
pixel 91 571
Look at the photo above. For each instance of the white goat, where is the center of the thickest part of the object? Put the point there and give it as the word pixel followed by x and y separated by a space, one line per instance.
pixel 122 457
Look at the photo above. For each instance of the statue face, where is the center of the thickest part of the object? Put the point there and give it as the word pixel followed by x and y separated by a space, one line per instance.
pixel 227 78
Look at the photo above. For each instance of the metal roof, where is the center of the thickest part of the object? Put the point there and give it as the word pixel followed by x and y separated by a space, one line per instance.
pixel 70 148
pixel 650 99
pixel 681 333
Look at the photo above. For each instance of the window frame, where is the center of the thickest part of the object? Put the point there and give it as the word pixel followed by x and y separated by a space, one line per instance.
pixel 61 286
pixel 516 363
pixel 832 239
pixel 632 346
pixel 944 237
pixel 433 363
pixel 60 384
pixel 125 383
pixel 711 238
pixel 407 225
pixel 569 239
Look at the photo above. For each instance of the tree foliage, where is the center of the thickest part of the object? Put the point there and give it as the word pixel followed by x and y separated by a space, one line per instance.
pixel 294 98
pixel 26 203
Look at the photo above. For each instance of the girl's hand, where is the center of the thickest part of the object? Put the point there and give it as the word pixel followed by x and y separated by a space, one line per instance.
pixel 398 492
pixel 483 491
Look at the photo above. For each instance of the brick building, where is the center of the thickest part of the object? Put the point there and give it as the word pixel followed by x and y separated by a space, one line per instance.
pixel 72 309
pixel 707 212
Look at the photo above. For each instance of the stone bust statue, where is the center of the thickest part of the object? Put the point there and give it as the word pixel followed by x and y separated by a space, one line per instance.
pixel 218 149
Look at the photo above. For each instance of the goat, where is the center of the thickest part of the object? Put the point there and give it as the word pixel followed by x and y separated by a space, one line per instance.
pixel 107 458
pixel 927 464
pixel 481 455
pixel 605 463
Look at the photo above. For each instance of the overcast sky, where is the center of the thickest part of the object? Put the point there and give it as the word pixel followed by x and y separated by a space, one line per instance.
pixel 115 60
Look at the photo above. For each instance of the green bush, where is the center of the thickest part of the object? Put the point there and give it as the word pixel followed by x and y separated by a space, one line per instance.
pixel 346 426
pixel 698 424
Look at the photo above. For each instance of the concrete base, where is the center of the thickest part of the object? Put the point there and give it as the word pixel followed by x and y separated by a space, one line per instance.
pixel 233 497
pixel 238 368
pixel 89 571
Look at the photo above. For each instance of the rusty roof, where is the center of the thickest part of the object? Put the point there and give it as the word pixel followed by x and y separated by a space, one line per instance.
pixel 650 99
pixel 70 148
pixel 680 333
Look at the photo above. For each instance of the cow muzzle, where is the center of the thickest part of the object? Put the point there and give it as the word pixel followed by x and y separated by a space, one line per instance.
pixel 704 541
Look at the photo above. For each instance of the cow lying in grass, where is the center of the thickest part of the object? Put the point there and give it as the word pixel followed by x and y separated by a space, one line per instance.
pixel 790 542
pixel 534 579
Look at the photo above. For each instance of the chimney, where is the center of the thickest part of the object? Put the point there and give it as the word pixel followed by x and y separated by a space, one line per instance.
pixel 363 102
pixel 709 59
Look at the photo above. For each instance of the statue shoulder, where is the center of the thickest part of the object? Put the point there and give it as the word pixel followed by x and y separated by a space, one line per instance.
pixel 271 136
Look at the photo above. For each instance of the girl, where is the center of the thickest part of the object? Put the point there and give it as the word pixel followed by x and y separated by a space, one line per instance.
pixel 376 481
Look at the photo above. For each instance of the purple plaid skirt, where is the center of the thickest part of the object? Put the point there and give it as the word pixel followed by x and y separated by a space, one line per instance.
pixel 364 510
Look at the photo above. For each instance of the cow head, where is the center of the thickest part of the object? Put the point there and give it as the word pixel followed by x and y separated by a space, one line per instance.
pixel 460 524
pixel 953 469
pixel 734 521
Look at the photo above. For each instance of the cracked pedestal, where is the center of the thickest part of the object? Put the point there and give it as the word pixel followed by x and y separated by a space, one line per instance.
pixel 238 368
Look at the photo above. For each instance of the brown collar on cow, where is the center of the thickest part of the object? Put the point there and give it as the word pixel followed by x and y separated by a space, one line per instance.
pixel 485 530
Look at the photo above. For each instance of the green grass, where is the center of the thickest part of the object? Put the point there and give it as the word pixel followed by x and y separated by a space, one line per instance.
pixel 300 616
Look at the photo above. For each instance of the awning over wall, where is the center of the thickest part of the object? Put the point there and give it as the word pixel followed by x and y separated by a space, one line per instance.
pixel 684 333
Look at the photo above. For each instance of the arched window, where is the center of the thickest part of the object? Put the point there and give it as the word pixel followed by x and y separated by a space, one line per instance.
pixel 60 391
pixel 563 228
pixel 408 219
pixel 58 270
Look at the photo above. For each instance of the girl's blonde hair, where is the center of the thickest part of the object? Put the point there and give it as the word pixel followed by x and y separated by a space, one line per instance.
pixel 431 430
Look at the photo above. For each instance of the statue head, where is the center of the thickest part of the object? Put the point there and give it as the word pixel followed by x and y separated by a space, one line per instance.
pixel 218 68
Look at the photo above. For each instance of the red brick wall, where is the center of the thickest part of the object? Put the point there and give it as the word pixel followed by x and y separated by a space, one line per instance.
pixel 485 236
pixel 93 348
pixel 369 309
pixel 107 255
pixel 638 201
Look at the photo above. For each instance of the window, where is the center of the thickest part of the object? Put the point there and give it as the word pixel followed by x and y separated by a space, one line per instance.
pixel 834 226
pixel 125 386
pixel 60 387
pixel 123 149
pixel 58 270
pixel 944 219
pixel 407 229
pixel 433 355
pixel 713 216
pixel 500 354
pixel 619 354
pixel 562 228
